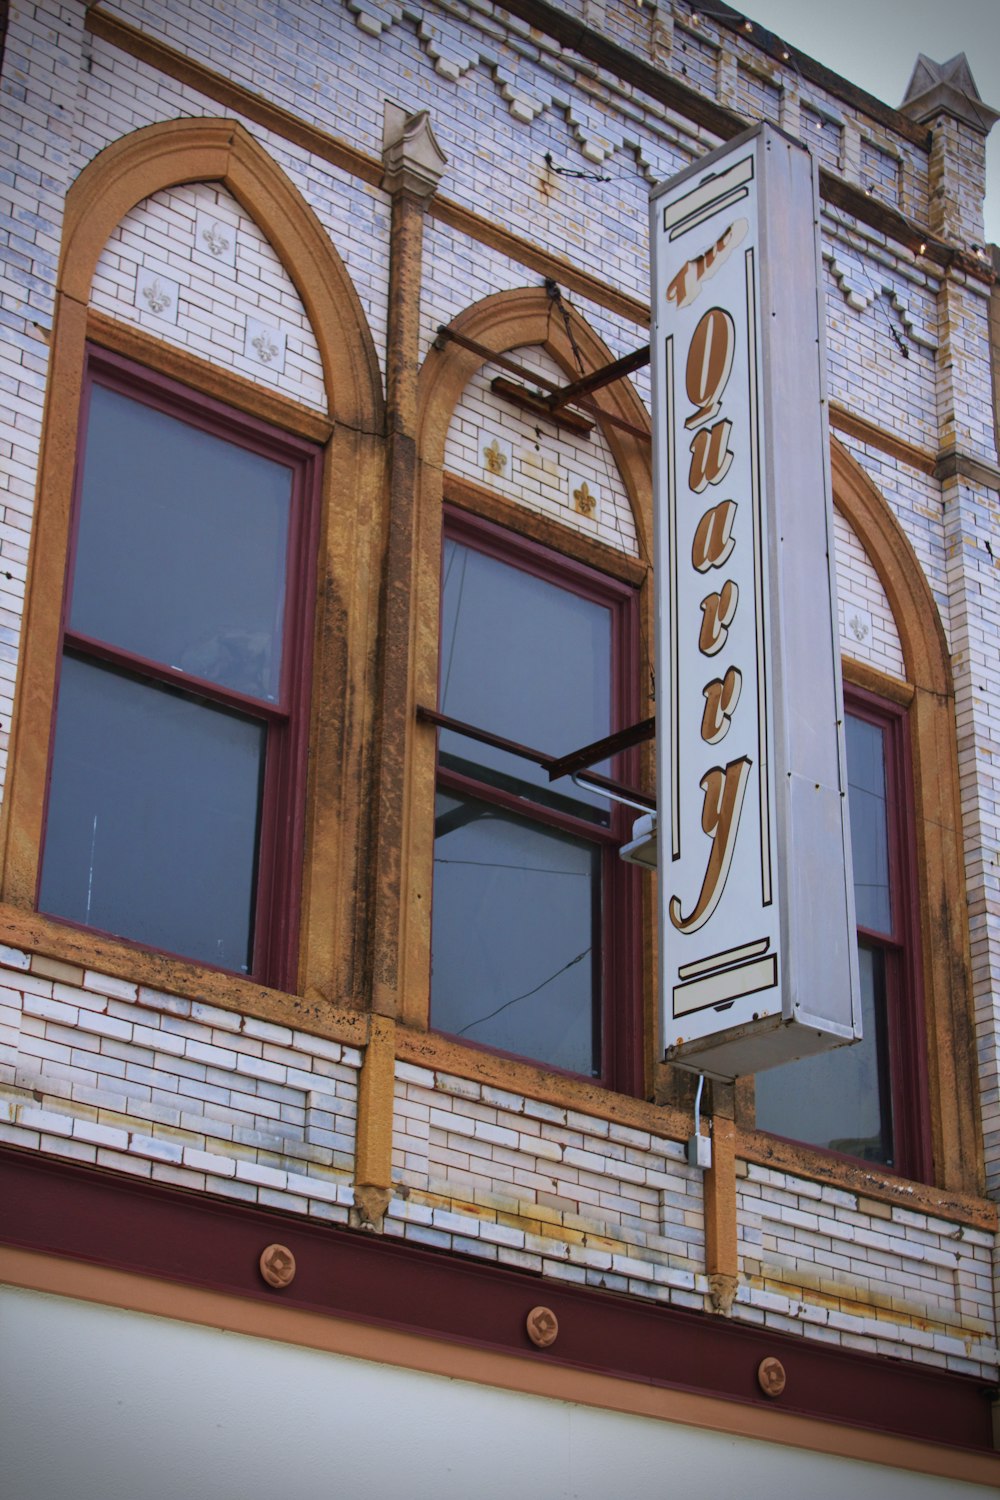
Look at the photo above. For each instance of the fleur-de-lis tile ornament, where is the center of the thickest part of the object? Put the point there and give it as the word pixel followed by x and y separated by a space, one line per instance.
pixel 495 458
pixel 156 295
pixel 584 499
pixel 215 238
pixel 267 349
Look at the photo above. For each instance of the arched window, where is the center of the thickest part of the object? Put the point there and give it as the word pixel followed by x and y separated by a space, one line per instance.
pixel 534 943
pixel 905 1097
pixel 215 608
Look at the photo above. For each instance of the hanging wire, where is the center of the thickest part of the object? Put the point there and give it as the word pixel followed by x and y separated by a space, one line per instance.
pixel 897 337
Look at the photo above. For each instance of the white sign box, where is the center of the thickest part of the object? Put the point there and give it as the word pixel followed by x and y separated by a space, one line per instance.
pixel 757 937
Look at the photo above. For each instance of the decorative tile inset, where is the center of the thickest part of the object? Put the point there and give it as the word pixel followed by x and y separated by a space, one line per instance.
pixel 265 346
pixel 857 623
pixel 157 295
pixel 215 237
pixel 583 497
pixel 497 455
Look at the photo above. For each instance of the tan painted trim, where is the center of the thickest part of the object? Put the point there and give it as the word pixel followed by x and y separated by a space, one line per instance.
pixel 211 380
pixel 866 1179
pixel 918 458
pixel 480 501
pixel 531 1375
pixel 251 106
pixel 426 1049
pixel 508 320
pixel 376 1099
pixel 947 988
pixel 861 674
pixel 353 502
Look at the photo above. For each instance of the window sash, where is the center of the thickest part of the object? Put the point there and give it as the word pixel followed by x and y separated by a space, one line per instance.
pixel 278 861
pixel 903 1066
pixel 616 966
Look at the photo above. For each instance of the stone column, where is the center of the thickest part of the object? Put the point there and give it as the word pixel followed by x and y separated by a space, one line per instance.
pixel 944 97
pixel 414 165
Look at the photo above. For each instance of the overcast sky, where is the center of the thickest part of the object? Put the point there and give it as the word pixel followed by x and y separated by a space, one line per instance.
pixel 875 43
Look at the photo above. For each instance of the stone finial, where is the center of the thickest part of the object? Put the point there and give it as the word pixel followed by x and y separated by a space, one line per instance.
pixel 948 87
pixel 413 160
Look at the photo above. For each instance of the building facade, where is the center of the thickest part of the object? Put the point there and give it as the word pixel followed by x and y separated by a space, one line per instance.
pixel 336 1137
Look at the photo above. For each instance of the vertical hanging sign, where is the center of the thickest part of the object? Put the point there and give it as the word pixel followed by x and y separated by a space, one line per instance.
pixel 758 961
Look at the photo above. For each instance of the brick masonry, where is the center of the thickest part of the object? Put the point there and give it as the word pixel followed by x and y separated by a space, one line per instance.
pixel 178 1091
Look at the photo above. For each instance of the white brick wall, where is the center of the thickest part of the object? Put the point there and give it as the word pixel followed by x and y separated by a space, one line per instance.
pixel 817 1261
pixel 543 467
pixel 107 1072
pixel 867 629
pixel 190 267
pixel 531 1185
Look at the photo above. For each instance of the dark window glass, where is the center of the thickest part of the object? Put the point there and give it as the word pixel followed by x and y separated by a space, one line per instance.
pixel 181 546
pixel 528 660
pixel 516 935
pixel 179 736
pixel 869 825
pixel 154 816
pixel 849 1100
pixel 529 913
pixel 839 1100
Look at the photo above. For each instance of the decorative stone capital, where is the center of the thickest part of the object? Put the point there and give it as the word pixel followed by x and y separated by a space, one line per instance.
pixel 722 1289
pixel 413 160
pixel 947 88
pixel 370 1204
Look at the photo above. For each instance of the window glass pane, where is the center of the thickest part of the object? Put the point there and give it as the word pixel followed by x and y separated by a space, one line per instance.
pixel 839 1100
pixel 525 659
pixel 869 825
pixel 153 816
pixel 181 547
pixel 515 935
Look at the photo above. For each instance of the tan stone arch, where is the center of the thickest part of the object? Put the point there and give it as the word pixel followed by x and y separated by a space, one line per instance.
pixel 950 1045
pixel 503 322
pixel 126 172
pixel 518 319
pixel 213 150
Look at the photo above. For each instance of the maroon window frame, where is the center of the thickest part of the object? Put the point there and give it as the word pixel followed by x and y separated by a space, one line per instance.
pixel 617 968
pixel 901 1037
pixel 900 945
pixel 280 843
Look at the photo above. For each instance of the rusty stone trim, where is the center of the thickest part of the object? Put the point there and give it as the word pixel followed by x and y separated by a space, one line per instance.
pixel 33 933
pixel 918 458
pixel 211 380
pixel 861 674
pixel 479 501
pixel 426 1049
pixel 953 464
pixel 373 1145
pixel 722 1263
pixel 866 1180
